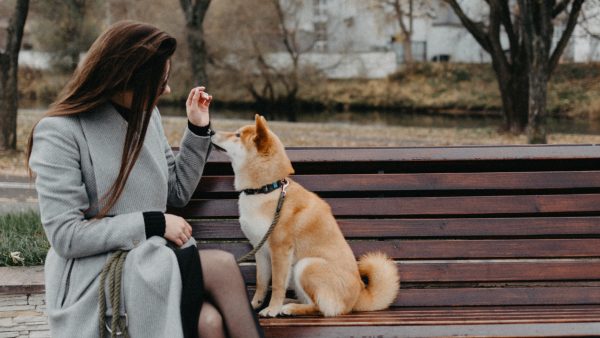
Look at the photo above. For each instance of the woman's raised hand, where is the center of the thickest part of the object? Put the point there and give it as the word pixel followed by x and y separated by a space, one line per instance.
pixel 177 230
pixel 197 107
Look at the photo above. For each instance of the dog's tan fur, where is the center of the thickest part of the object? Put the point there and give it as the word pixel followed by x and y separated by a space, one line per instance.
pixel 307 244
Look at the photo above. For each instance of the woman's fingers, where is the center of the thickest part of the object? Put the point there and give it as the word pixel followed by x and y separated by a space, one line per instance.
pixel 184 238
pixel 190 97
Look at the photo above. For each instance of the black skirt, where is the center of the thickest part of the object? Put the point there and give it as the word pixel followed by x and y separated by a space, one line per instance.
pixel 192 291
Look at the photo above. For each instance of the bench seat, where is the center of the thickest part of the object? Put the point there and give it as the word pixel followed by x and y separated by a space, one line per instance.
pixel 444 321
pixel 489 241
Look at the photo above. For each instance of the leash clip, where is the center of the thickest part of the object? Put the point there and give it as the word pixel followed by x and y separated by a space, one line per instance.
pixel 285 185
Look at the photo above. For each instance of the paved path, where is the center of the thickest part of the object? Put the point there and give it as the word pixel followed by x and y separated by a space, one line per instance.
pixel 22 304
pixel 17 193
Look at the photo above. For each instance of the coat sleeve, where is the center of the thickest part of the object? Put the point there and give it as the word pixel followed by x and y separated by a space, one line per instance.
pixel 185 168
pixel 63 198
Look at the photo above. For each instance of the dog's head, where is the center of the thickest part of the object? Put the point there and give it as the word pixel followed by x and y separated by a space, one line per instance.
pixel 257 155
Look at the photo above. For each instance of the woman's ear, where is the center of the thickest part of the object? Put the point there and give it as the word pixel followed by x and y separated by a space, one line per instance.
pixel 262 134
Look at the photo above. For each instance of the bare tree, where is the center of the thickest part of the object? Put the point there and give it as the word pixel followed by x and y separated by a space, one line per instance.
pixel 538 31
pixel 195 12
pixel 407 30
pixel 268 56
pixel 404 12
pixel 529 26
pixel 9 65
pixel 65 29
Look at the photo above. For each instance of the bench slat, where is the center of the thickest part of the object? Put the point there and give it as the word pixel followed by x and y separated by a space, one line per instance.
pixel 485 271
pixel 422 206
pixel 498 296
pixel 430 159
pixel 456 249
pixel 446 314
pixel 458 321
pixel 446 153
pixel 442 227
pixel 424 182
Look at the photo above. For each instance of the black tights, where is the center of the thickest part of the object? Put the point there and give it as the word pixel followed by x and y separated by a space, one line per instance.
pixel 226 311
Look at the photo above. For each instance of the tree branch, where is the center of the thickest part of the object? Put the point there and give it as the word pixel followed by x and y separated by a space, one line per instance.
pixel 561 6
pixel 564 39
pixel 200 9
pixel 513 37
pixel 494 35
pixel 474 28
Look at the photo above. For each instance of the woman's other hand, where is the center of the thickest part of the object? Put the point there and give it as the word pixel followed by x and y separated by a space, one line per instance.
pixel 177 230
pixel 197 107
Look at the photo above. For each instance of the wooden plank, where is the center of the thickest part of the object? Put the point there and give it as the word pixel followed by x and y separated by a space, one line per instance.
pixel 456 321
pixel 447 153
pixel 526 297
pixel 456 329
pixel 442 227
pixel 455 249
pixel 498 296
pixel 480 271
pixel 424 182
pixel 430 159
pixel 422 206
pixel 447 315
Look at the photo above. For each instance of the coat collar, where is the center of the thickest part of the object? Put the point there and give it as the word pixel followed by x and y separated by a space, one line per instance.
pixel 105 129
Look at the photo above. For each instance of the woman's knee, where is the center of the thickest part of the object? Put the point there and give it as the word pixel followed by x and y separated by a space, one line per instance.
pixel 210 321
pixel 218 258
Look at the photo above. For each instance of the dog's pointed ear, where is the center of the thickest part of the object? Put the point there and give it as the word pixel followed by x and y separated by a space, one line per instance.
pixel 262 133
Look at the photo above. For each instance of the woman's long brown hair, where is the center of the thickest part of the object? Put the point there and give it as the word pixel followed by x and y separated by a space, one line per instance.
pixel 128 56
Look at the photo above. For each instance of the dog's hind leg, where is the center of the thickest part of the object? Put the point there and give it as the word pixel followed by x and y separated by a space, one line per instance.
pixel 299 309
pixel 321 287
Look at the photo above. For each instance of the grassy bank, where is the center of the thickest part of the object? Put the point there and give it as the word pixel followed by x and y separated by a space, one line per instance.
pixel 574 90
pixel 22 239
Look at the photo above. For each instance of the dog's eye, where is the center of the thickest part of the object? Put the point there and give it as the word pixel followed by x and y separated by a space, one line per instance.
pixel 237 134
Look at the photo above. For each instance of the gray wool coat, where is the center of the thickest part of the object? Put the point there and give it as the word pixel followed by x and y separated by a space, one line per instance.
pixel 76 159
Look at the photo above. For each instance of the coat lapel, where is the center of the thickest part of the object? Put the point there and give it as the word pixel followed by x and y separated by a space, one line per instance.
pixel 104 130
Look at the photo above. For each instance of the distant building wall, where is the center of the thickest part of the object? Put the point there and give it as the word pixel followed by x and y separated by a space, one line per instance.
pixel 343 66
pixel 33 59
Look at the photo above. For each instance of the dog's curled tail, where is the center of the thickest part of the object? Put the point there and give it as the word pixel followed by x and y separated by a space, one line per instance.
pixel 383 282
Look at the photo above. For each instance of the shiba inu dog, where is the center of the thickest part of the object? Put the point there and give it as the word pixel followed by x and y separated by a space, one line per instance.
pixel 306 246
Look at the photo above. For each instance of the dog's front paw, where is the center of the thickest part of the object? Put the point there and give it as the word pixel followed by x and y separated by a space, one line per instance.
pixel 256 303
pixel 270 311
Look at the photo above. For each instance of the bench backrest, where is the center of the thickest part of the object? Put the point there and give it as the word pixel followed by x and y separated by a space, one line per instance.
pixel 515 225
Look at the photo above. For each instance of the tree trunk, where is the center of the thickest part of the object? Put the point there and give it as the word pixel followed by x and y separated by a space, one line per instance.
pixel 538 84
pixel 198 57
pixel 407 49
pixel 195 11
pixel 514 92
pixel 537 34
pixel 9 65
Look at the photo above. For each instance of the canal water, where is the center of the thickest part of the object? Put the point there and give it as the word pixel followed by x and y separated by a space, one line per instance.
pixel 562 125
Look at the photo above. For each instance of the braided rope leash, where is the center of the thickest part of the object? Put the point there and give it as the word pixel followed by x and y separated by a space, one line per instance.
pixel 271 227
pixel 113 270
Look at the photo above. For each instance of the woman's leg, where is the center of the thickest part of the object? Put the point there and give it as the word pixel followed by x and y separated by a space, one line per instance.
pixel 224 284
pixel 210 322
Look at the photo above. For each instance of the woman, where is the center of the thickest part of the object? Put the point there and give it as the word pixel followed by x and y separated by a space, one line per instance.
pixel 104 175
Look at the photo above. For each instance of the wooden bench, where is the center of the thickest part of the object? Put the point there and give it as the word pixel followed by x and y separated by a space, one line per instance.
pixel 489 241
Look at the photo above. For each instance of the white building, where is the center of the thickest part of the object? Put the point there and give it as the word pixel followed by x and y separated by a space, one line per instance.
pixel 355 38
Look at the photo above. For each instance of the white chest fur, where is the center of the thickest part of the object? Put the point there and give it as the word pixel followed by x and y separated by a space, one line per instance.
pixel 256 214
